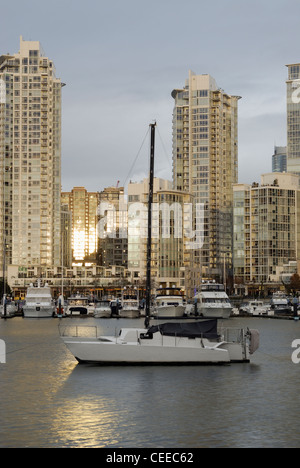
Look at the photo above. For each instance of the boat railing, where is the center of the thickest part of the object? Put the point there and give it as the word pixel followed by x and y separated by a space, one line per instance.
pixel 79 331
pixel 234 335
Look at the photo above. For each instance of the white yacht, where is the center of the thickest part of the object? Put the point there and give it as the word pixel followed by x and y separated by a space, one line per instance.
pixel 10 308
pixel 212 301
pixel 39 302
pixel 80 305
pixel 254 308
pixel 130 304
pixel 280 304
pixel 170 343
pixel 168 303
pixel 103 309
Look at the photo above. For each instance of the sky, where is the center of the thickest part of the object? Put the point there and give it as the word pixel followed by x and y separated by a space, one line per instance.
pixel 121 59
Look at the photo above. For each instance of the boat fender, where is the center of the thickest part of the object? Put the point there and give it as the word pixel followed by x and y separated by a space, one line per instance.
pixel 254 341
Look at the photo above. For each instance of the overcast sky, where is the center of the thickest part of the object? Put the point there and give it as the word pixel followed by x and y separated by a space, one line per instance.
pixel 120 60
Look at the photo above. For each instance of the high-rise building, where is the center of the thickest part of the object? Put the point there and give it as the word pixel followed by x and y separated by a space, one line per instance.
pixel 113 242
pixel 205 164
pixel 83 206
pixel 266 227
pixel 279 163
pixel 293 118
pixel 138 194
pixel 30 157
pixel 174 256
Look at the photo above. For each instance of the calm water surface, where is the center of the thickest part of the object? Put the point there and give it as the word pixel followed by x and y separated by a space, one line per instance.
pixel 48 400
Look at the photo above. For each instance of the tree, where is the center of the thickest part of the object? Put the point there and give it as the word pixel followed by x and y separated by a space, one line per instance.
pixel 295 283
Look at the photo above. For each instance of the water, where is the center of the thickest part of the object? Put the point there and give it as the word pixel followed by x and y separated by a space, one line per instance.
pixel 48 400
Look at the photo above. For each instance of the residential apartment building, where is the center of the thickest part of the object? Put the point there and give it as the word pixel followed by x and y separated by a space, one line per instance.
pixel 83 205
pixel 293 118
pixel 174 255
pixel 112 224
pixel 30 157
pixel 171 254
pixel 205 164
pixel 138 194
pixel 266 227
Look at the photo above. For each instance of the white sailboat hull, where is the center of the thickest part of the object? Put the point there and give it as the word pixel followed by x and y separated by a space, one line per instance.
pixel 131 349
pixel 134 353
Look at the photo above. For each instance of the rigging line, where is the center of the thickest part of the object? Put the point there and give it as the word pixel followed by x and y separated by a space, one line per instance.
pixel 165 151
pixel 132 166
pixel 24 347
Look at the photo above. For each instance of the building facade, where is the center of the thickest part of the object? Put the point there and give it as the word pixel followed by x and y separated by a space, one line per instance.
pixel 83 205
pixel 30 157
pixel 112 235
pixel 174 254
pixel 279 159
pixel 137 227
pixel 266 227
pixel 293 118
pixel 205 164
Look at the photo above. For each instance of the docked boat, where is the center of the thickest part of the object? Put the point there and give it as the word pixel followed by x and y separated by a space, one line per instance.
pixel 212 301
pixel 39 302
pixel 80 306
pixel 169 302
pixel 196 342
pixel 254 308
pixel 103 309
pixel 169 343
pixel 130 304
pixel 8 308
pixel 280 304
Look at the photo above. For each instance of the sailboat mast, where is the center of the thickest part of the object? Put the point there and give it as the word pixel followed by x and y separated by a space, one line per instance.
pixel 149 239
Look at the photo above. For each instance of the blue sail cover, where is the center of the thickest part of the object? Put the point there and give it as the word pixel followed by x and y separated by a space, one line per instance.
pixel 204 329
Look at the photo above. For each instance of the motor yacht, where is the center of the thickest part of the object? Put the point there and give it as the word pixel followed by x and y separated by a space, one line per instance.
pixel 130 304
pixel 169 302
pixel 212 301
pixel 80 306
pixel 103 309
pixel 39 302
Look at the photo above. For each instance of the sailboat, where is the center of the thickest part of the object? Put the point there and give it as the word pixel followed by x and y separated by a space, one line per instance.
pixel 168 343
